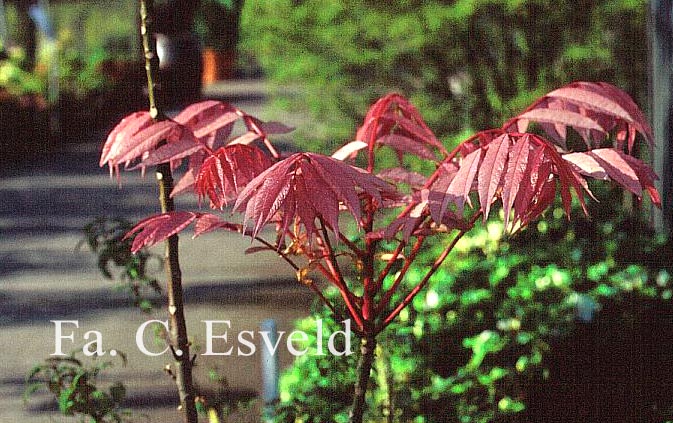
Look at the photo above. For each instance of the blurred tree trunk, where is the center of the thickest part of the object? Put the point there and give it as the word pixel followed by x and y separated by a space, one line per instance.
pixel 661 86
pixel 26 33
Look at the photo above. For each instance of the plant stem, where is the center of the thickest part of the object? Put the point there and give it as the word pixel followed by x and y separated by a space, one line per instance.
pixel 367 349
pixel 178 327
pixel 438 262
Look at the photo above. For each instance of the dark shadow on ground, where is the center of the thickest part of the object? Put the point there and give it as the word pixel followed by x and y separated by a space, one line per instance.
pixel 27 310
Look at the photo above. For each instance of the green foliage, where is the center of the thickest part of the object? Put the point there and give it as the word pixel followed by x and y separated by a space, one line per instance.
pixel 74 386
pixel 86 37
pixel 106 238
pixel 466 64
pixel 78 74
pixel 17 81
pixel 470 347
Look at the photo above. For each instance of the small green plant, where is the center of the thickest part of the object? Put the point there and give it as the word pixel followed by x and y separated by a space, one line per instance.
pixel 75 387
pixel 106 238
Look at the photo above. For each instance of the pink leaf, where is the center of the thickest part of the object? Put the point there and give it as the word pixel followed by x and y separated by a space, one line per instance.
pixel 404 144
pixel 516 168
pixel 491 171
pixel 461 185
pixel 158 228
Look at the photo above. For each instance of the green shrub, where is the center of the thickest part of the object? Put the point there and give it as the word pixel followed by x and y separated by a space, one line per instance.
pixel 466 64
pixel 478 342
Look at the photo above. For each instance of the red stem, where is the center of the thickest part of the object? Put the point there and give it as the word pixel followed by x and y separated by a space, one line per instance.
pixel 407 263
pixel 333 265
pixel 427 276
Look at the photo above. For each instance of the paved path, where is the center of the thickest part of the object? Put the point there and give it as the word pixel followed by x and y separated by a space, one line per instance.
pixel 43 276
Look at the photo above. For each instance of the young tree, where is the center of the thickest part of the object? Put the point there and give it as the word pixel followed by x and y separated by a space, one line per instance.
pixel 392 211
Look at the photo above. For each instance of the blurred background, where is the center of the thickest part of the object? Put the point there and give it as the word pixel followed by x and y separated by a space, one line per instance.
pixel 569 322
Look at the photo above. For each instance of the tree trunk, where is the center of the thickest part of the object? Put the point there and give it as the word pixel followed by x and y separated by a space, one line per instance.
pixel 178 328
pixel 367 350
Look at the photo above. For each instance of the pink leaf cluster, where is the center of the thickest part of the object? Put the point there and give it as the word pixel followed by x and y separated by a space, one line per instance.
pixel 592 109
pixel 304 194
pixel 309 186
pixel 523 166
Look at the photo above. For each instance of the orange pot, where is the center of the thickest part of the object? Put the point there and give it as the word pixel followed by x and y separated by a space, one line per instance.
pixel 217 65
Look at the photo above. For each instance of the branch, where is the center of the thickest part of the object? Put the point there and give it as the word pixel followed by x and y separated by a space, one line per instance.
pixel 334 266
pixel 400 277
pixel 178 327
pixel 427 276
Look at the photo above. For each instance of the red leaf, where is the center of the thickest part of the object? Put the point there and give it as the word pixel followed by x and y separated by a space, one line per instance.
pixel 491 170
pixel 625 170
pixel 564 117
pixel 155 229
pixel 592 109
pixel 147 139
pixel 587 165
pixel 461 185
pixel 618 169
pixel 591 100
pixel 537 172
pixel 245 139
pixel 209 222
pixel 177 150
pixel 200 113
pixel 227 171
pixel 393 113
pixel 404 176
pixel 438 197
pixel 216 123
pixel 308 186
pixel 122 133
pixel 403 144
pixel 646 176
pixel 516 168
pixel 185 183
